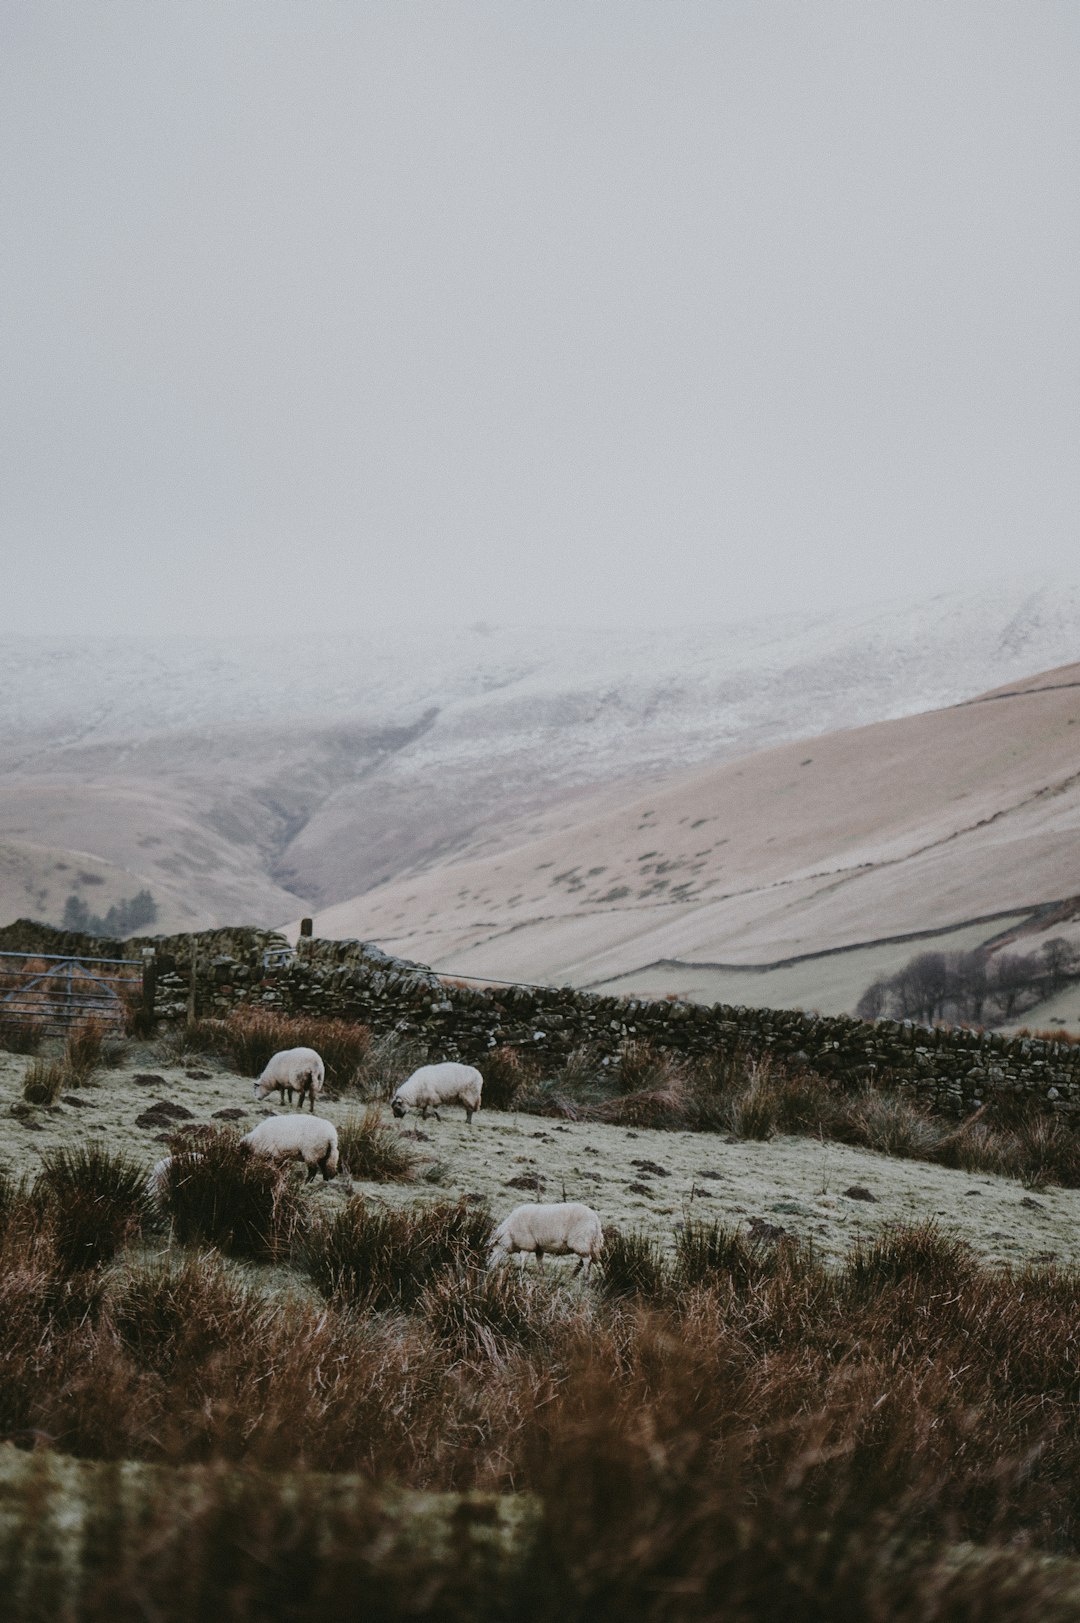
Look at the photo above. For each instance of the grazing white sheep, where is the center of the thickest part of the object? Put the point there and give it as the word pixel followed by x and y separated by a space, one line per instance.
pixel 561 1227
pixel 311 1139
pixel 435 1085
pixel 293 1070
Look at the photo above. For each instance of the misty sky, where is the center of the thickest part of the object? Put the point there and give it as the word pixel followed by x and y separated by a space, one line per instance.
pixel 320 314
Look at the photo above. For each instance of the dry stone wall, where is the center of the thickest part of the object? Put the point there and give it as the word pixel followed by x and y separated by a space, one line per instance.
pixel 953 1069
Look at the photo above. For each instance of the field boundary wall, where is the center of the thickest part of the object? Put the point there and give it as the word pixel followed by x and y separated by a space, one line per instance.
pixel 952 1068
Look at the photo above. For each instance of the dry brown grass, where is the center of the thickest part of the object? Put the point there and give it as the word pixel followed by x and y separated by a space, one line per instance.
pixel 739 1433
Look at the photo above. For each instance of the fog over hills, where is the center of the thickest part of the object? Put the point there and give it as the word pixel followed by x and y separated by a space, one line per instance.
pixel 256 779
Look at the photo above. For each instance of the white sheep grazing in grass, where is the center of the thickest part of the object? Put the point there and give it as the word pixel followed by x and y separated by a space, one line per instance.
pixel 435 1085
pixel 311 1139
pixel 561 1228
pixel 293 1070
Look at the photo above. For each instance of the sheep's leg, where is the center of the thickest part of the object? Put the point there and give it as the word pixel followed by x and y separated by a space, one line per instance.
pixel 468 1116
pixel 539 1256
pixel 580 1266
pixel 312 1169
pixel 435 1113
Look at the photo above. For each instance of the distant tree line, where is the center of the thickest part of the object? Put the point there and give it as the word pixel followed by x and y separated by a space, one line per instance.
pixel 123 918
pixel 971 988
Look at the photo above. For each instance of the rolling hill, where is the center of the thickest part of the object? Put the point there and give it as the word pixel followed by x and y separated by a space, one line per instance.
pixel 791 876
pixel 259 779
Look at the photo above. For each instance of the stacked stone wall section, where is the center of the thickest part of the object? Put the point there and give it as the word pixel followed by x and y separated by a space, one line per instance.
pixel 951 1068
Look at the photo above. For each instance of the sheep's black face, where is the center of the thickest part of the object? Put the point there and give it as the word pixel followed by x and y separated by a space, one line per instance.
pixel 398 1108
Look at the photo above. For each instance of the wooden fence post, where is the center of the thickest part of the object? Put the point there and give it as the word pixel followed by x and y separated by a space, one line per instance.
pixel 149 982
pixel 191 984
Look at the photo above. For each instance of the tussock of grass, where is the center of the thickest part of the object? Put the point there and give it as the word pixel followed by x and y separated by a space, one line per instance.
pixel 372 1149
pixel 381 1258
pixel 487 1313
pixel 218 1193
pixel 84 1052
pixel 507 1074
pixel 166 1314
pixel 632 1265
pixel 96 1199
pixel 20 1036
pixel 707 1253
pixel 87 1047
pixel 44 1081
pixel 922 1254
pixel 391 1058
pixel 253 1036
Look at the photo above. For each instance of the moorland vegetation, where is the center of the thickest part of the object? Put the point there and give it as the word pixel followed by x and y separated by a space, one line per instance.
pixel 243 1406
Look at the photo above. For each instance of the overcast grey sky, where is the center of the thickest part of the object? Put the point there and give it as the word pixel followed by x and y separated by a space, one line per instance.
pixel 322 313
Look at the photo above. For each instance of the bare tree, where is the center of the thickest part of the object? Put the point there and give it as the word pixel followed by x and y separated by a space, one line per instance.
pixel 1014 978
pixel 1061 960
pixel 874 1001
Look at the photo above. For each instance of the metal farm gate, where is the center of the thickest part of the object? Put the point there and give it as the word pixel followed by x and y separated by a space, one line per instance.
pixel 55 993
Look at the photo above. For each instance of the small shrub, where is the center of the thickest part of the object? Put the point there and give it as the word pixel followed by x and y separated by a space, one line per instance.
pixel 373 1150
pixel 139 1019
pixel 632 1265
pixel 666 1105
pixel 184 1041
pixel 488 1312
pixel 44 1081
pixel 385 1258
pixel 808 1104
pixel 83 1052
pixel 506 1072
pixel 921 1254
pixel 643 1068
pixel 220 1194
pixel 580 1070
pixel 20 1036
pixel 893 1125
pixel 165 1314
pixel 707 1252
pixel 390 1059
pixel 95 1200
pixel 724 1071
pixel 753 1114
pixel 1046 1149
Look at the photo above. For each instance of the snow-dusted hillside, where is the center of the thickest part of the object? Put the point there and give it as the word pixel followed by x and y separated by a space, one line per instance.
pixel 312 770
pixel 689 689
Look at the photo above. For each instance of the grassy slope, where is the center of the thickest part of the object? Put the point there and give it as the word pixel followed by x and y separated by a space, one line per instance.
pixel 913 824
pixel 797 1183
